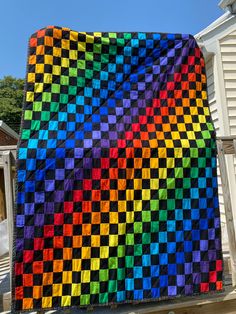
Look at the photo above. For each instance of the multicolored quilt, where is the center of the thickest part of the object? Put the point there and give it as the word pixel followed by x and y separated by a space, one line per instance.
pixel 117 187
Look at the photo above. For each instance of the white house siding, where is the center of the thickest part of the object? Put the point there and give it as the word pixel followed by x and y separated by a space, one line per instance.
pixel 215 118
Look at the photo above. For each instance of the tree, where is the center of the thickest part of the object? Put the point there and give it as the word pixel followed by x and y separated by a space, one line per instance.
pixel 11 101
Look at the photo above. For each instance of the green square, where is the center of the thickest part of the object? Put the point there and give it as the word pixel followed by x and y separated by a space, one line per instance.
pixel 129 239
pixel 96 66
pixel 63 98
pixel 129 260
pixel 113 262
pixel 120 42
pixel 138 227
pixel 72 90
pixel 89 56
pixel 194 173
pixel 55 88
pixel 97 48
pixel 54 107
pixel 80 81
pixel 94 287
pixel 127 36
pixel 202 162
pixel 179 173
pixel 89 74
pixel 37 106
pixel 186 183
pixel 186 162
pixel 200 142
pixel 81 64
pixel 146 216
pixel 85 299
pixel 45 116
pixel 163 215
pixel 120 273
pixel 121 251
pixel 112 286
pixel 154 226
pixel 146 238
pixel 103 298
pixel 64 80
pixel 179 194
pixel 112 35
pixel 25 134
pixel 35 125
pixel 28 115
pixel 194 152
pixel 46 97
pixel 73 72
pixel 138 250
pixel 104 58
pixel 170 204
pixel 170 183
pixel 103 275
pixel 162 194
pixel 154 204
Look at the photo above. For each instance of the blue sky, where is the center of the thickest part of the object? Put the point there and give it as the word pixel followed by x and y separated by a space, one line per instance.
pixel 20 18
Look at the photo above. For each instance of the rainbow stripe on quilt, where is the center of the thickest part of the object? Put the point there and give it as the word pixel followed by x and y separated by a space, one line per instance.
pixel 117 186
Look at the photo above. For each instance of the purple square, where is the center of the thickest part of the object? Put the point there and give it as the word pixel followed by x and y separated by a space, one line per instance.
pixel 60 174
pixel 134 111
pixel 203 245
pixel 196 278
pixel 111 119
pixel 88 143
pixel 68 184
pixel 59 196
pixel 196 256
pixel 96 152
pixel 148 78
pixel 19 244
pixel 172 291
pixel 78 174
pixel 49 185
pixel 112 135
pixel 119 111
pixel 211 234
pixel 204 266
pixel 141 86
pixel 141 103
pixel 104 127
pixel 127 119
pixel 29 232
pixel 211 255
pixel 69 163
pixel 79 152
pixel 133 94
pixel 29 208
pixel 39 197
pixel 120 127
pixel 39 219
pixel 126 103
pixel 105 143
pixel 148 94
pixel 156 69
pixel 180 280
pixel 96 135
pixel 20 220
pixel 188 268
pixel 87 163
pixel 188 289
pixel 49 208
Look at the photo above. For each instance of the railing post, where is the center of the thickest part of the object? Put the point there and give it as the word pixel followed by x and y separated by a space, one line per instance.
pixel 228 209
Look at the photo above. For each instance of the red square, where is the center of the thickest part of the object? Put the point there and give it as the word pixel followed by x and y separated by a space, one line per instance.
pixel 38 243
pixel 204 287
pixel 68 207
pixel 156 103
pixel 96 174
pixel 28 256
pixel 163 94
pixel 49 231
pixel 87 184
pixel 38 267
pixel 78 196
pixel 114 153
pixel 19 268
pixel 58 219
pixel 105 163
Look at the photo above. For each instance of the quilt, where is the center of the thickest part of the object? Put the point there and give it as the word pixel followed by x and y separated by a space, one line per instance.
pixel 116 172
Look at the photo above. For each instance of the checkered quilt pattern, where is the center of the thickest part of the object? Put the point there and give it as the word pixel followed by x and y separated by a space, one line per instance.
pixel 116 172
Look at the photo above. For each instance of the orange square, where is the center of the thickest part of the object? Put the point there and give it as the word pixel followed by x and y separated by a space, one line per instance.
pixel 57 266
pixel 67 253
pixel 96 218
pixel 105 206
pixel 113 172
pixel 121 184
pixel 67 230
pixel 77 241
pixel 37 292
pixel 58 242
pixel 77 218
pixel 105 184
pixel 27 304
pixel 48 254
pixel 47 279
pixel 48 41
pixel 87 206
pixel 27 280
pixel 86 229
pixel 121 162
pixel 96 196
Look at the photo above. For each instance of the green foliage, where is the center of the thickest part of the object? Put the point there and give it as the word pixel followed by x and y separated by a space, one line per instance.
pixel 11 101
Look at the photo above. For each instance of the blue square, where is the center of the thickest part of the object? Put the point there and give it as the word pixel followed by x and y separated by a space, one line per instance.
pixel 31 164
pixel 21 175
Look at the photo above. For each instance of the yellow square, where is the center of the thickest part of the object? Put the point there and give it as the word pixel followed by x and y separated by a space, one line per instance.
pixel 175 135
pixel 122 206
pixel 31 77
pixel 95 263
pixel 114 218
pixel 146 173
pixel 146 195
pixel 56 52
pixel 89 39
pixel 154 184
pixel 30 96
pixel 57 290
pixel 104 229
pixel 67 277
pixel 48 59
pixel 162 173
pixel 153 162
pixel 137 184
pixel 137 205
pixel 76 265
pixel 46 302
pixel 56 70
pixel 65 62
pixel 85 252
pixel 76 289
pixel 39 68
pixel 73 54
pixel 85 276
pixel 129 217
pixel 65 44
pixel 73 36
pixel 47 78
pixel 113 239
pixel 129 195
pixel 65 300
pixel 122 228
pixel 38 87
pixel 104 252
pixel 95 240
pixel 82 46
